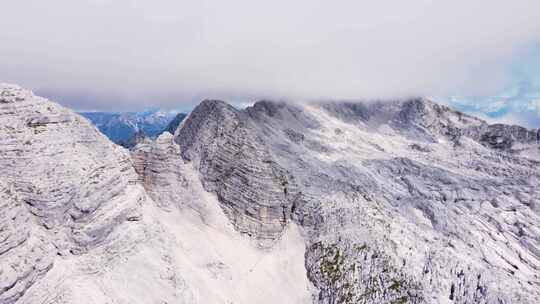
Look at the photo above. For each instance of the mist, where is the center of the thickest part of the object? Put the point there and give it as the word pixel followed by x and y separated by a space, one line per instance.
pixel 118 55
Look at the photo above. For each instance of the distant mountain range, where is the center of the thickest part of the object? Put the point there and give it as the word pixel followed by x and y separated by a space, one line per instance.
pixel 121 128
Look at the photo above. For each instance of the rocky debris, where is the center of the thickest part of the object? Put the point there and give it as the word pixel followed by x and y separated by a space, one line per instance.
pixel 357 273
pixel 294 136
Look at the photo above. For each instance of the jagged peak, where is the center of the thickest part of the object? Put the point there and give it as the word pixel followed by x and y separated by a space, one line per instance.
pixel 209 109
pixel 10 93
pixel 419 111
pixel 203 123
pixel 213 104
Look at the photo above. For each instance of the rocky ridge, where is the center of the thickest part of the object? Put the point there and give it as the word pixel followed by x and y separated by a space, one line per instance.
pixel 65 186
pixel 84 222
pixel 254 190
pixel 409 187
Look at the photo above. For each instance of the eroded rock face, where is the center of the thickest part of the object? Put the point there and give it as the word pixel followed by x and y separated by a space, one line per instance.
pixel 77 225
pixel 25 252
pixel 504 137
pixel 161 171
pixel 64 186
pixel 254 191
pixel 399 202
pixel 402 202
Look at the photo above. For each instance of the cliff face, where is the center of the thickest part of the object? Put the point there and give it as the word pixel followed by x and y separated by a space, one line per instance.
pixel 161 170
pixel 66 188
pixel 402 201
pixel 254 190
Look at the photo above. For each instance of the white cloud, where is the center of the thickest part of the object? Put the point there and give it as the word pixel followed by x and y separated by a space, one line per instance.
pixel 140 51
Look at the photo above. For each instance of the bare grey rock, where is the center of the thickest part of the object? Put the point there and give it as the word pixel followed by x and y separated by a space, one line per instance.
pixel 83 222
pixel 161 171
pixel 403 202
pixel 398 202
pixel 254 191
pixel 65 187
pixel 25 251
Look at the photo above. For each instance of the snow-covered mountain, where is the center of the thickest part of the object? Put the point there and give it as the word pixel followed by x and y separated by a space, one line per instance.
pixel 386 202
pixel 122 127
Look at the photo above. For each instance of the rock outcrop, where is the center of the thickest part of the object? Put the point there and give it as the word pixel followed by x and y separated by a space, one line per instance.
pixel 254 190
pixel 66 187
pixel 161 171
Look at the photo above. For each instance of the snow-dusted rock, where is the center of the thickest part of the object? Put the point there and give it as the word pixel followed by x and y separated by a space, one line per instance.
pixel 161 171
pixel 77 225
pixel 381 202
pixel 253 190
pixel 25 252
pixel 403 202
pixel 66 186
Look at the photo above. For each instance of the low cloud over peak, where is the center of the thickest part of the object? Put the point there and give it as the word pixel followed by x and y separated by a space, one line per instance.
pixel 129 54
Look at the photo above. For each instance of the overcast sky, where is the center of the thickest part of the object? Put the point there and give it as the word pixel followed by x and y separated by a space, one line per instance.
pixel 129 54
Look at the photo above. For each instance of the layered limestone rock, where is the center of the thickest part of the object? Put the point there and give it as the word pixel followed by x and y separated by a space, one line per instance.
pixel 25 252
pixel 397 202
pixel 161 171
pixel 254 191
pixel 402 202
pixel 66 187
pixel 77 225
